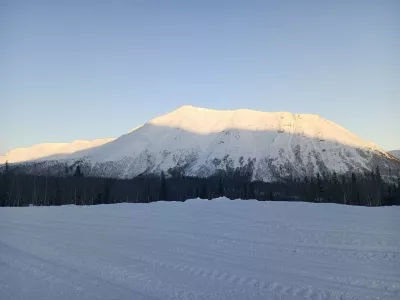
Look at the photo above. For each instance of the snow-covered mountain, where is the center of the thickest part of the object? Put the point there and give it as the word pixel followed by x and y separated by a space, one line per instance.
pixel 200 142
pixel 395 153
pixel 47 149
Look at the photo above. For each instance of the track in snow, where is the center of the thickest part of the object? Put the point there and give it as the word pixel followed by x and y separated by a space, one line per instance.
pixel 218 249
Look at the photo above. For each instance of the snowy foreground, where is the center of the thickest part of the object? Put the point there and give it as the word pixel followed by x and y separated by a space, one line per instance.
pixel 218 249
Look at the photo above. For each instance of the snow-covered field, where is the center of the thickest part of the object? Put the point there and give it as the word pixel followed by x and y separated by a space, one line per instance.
pixel 218 249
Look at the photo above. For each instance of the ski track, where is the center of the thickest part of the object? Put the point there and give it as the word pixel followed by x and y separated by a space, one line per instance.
pixel 199 249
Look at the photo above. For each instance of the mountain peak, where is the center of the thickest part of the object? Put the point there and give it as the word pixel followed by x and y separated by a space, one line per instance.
pixel 208 121
pixel 190 108
pixel 204 141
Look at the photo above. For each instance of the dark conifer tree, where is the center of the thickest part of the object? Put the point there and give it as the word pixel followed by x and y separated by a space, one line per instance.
pixel 204 192
pixel 5 187
pixel 58 193
pixel 163 188
pixel 220 188
pixel 378 187
pixel 354 189
pixel 320 188
pixel 106 194
pixel 245 191
pixel 19 189
pixel 251 192
pixel 78 172
pixel 343 184
pixel 335 178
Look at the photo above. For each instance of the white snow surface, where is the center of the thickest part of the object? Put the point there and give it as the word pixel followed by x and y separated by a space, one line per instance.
pixel 47 149
pixel 216 133
pixel 209 121
pixel 219 249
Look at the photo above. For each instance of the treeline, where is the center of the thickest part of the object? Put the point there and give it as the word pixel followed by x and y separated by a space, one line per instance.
pixel 18 189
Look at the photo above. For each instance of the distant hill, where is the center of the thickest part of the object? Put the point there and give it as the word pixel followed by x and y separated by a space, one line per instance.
pixel 47 149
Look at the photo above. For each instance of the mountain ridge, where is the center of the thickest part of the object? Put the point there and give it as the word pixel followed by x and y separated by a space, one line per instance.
pixel 42 150
pixel 201 142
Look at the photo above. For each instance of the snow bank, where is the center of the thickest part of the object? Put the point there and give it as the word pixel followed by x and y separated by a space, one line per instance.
pixel 200 249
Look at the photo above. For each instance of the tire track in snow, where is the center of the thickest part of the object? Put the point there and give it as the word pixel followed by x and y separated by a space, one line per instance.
pixel 262 288
pixel 47 270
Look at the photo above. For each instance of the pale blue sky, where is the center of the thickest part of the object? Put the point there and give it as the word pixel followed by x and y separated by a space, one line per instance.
pixel 93 69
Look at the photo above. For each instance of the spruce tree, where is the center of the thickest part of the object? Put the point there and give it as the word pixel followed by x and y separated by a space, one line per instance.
pixel 5 186
pixel 335 178
pixel 251 191
pixel 378 186
pixel 203 192
pixel 344 190
pixel 320 188
pixel 78 172
pixel 220 188
pixel 354 189
pixel 245 192
pixel 106 194
pixel 163 188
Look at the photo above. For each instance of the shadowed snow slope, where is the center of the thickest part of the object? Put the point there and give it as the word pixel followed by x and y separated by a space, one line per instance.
pixel 209 250
pixel 201 142
pixel 395 153
pixel 46 149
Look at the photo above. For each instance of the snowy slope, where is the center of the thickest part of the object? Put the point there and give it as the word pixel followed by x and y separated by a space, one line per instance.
pixel 220 249
pixel 201 142
pixel 395 153
pixel 47 149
